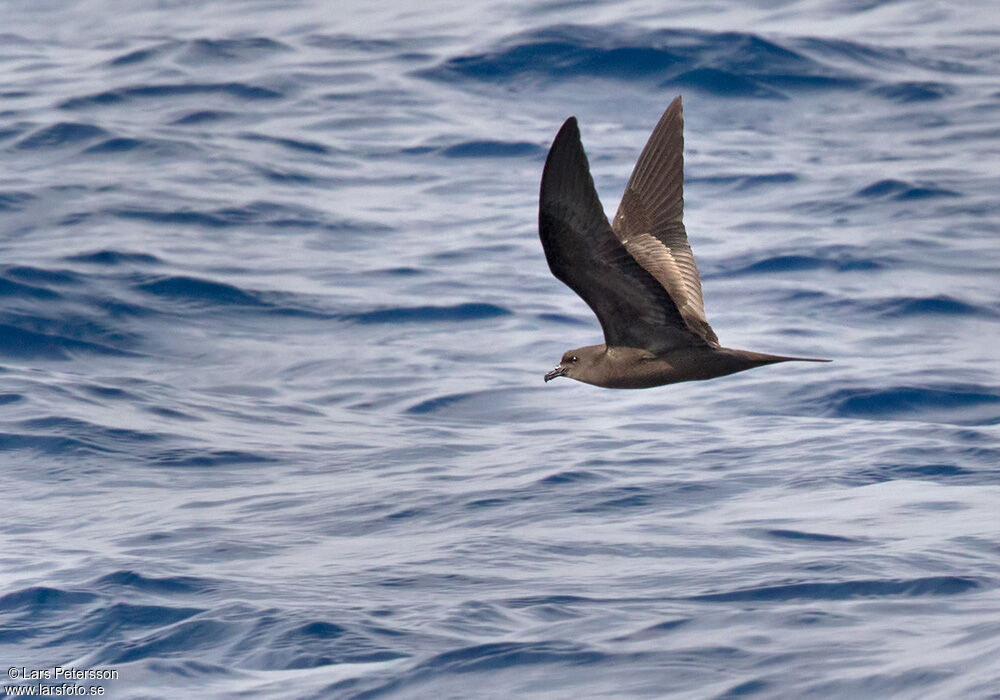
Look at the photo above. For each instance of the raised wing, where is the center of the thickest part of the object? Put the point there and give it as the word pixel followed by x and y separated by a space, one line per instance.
pixel 649 220
pixel 582 251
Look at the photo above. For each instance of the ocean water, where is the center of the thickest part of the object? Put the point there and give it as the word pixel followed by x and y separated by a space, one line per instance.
pixel 275 318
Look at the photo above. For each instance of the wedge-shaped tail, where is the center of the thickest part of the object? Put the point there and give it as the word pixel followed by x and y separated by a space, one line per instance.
pixel 762 358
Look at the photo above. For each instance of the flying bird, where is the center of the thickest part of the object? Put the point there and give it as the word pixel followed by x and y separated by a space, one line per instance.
pixel 636 273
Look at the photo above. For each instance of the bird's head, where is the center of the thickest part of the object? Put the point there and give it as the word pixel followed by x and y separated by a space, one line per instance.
pixel 575 362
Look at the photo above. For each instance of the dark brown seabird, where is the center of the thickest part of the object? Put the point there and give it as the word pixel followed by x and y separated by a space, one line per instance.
pixel 638 273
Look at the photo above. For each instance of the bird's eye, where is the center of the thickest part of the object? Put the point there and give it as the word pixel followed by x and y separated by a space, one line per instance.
pixel 573 358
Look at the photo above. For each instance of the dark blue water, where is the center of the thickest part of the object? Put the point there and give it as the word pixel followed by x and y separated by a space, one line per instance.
pixel 275 317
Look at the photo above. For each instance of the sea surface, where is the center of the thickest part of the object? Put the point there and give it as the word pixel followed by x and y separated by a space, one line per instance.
pixel 274 317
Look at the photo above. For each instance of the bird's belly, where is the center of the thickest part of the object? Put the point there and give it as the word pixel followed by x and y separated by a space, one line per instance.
pixel 632 382
pixel 638 375
pixel 642 371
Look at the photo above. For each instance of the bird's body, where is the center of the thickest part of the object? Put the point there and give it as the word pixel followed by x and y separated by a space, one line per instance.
pixel 635 368
pixel 638 274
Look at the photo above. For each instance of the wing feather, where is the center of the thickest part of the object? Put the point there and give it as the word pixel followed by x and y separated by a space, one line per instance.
pixel 634 309
pixel 649 222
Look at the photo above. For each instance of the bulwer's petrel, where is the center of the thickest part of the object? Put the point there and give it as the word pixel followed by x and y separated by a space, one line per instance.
pixel 638 273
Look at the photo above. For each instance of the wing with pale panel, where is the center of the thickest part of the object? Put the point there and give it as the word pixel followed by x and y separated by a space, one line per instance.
pixel 634 309
pixel 649 222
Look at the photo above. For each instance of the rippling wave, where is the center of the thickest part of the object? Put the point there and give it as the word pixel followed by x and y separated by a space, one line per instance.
pixel 275 318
